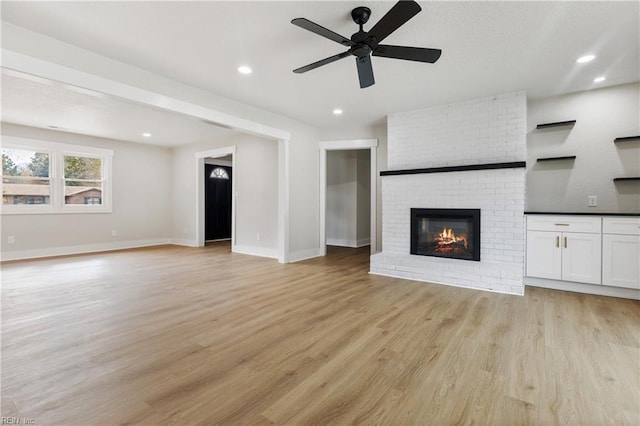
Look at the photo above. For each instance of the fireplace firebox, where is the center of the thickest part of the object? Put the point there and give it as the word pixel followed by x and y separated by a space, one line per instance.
pixel 452 233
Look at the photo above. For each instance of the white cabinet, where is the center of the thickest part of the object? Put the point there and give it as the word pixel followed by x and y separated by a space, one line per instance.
pixel 544 255
pixel 581 257
pixel 621 252
pixel 564 248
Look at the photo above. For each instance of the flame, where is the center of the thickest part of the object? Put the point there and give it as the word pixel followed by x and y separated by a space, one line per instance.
pixel 447 236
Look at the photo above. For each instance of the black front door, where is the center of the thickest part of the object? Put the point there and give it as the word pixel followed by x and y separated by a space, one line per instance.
pixel 217 202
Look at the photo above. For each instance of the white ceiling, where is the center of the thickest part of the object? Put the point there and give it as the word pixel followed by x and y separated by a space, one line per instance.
pixel 488 48
pixel 38 103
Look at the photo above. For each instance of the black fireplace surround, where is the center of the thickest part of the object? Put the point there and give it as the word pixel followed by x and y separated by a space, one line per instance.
pixel 451 233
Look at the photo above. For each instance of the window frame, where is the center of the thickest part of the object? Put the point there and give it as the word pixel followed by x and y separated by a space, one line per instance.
pixel 56 152
pixel 36 208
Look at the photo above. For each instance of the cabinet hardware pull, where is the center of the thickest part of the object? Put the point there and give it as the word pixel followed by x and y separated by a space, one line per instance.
pixel 565 242
pixel 561 224
pixel 557 241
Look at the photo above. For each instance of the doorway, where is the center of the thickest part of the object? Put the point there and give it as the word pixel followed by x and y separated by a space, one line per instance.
pixel 279 198
pixel 368 145
pixel 206 163
pixel 218 186
pixel 348 208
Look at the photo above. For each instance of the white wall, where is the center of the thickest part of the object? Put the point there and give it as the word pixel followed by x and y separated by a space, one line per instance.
pixel 363 197
pixel 302 165
pixel 304 193
pixel 142 187
pixel 256 172
pixel 484 130
pixel 601 116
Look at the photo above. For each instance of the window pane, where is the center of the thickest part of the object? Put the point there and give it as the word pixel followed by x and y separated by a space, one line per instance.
pixel 92 200
pixel 82 168
pixel 21 162
pixel 19 190
pixel 219 173
pixel 82 192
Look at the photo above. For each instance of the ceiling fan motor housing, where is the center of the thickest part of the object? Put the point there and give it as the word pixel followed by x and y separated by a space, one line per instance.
pixel 365 44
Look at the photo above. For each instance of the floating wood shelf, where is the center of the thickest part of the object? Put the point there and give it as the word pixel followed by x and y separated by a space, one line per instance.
pixel 570 157
pixel 556 124
pixel 627 179
pixel 627 139
pixel 491 166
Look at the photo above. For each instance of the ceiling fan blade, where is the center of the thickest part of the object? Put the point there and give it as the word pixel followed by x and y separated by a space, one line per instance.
pixel 321 62
pixel 419 54
pixel 321 31
pixel 400 13
pixel 365 71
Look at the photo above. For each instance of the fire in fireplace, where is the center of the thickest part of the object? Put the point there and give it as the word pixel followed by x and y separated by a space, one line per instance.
pixel 453 233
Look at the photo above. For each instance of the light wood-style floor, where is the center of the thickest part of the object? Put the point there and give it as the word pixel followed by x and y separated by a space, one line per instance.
pixel 174 335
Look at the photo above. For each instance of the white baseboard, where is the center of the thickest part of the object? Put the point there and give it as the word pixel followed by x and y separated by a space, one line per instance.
pixel 183 242
pixel 363 242
pixel 343 242
pixel 297 256
pixel 256 251
pixel 600 290
pixel 80 249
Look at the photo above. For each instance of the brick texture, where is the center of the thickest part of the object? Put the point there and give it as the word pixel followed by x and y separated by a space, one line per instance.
pixel 486 130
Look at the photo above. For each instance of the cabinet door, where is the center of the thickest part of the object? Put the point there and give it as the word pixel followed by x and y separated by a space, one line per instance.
pixel 581 257
pixel 544 255
pixel 621 260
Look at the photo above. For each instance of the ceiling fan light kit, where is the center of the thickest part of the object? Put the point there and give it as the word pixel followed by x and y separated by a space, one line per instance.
pixel 364 44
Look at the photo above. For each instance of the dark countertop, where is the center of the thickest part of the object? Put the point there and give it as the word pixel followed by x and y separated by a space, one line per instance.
pixel 585 214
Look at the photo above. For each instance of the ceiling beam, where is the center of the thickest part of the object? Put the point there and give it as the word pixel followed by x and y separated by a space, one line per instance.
pixel 100 86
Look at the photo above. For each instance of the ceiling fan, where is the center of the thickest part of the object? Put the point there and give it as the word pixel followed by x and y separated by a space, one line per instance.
pixel 363 44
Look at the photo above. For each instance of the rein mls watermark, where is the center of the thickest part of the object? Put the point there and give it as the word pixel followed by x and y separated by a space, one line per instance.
pixel 18 421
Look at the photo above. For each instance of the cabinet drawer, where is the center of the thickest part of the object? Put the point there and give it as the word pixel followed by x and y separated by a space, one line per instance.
pixel 586 224
pixel 621 225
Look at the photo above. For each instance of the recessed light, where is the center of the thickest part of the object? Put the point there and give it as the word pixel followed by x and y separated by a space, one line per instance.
pixel 586 58
pixel 244 69
pixel 337 111
pixel 146 135
pixel 599 79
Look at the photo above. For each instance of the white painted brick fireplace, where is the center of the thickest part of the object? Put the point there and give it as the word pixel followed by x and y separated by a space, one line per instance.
pixel 479 131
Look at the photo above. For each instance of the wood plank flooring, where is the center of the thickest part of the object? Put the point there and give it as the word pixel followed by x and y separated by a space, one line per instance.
pixel 174 335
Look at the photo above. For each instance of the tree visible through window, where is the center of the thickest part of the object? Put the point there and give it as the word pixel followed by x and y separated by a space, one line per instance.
pixel 25 177
pixel 82 180
pixel 41 177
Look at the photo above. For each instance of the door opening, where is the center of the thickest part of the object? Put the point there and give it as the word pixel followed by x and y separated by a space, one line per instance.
pixel 348 194
pixel 368 147
pixel 217 201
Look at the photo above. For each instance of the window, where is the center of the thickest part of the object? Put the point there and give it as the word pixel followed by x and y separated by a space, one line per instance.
pixel 34 199
pixel 82 179
pixel 45 177
pixel 219 173
pixel 25 177
pixel 92 200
